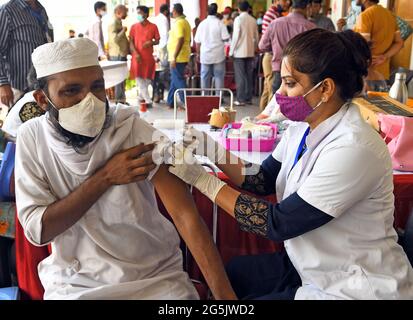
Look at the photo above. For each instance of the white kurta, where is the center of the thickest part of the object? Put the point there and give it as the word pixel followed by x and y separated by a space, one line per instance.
pixel 346 173
pixel 122 248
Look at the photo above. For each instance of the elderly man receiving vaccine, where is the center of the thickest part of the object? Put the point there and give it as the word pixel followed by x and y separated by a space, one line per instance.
pixel 85 181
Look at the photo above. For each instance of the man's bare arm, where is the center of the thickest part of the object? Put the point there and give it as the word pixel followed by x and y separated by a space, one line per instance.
pixel 396 46
pixel 123 168
pixel 178 201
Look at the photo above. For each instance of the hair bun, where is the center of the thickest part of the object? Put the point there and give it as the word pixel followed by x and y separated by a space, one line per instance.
pixel 358 49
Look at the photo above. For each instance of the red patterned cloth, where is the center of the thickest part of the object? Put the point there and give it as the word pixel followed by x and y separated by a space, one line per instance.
pixel 403 202
pixel 27 258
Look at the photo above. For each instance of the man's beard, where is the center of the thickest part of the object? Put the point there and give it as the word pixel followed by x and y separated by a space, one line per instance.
pixel 74 140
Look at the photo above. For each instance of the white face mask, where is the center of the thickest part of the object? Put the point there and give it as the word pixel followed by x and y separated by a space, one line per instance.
pixel 103 13
pixel 85 118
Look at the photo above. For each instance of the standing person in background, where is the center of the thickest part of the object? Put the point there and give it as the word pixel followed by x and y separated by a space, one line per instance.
pixel 243 48
pixel 118 46
pixel 144 35
pixel 162 22
pixel 227 19
pixel 72 34
pixel 197 21
pixel 349 22
pixel 282 30
pixel 318 18
pixel 275 11
pixel 210 41
pixel 24 26
pixel 260 21
pixel 95 31
pixel 378 26
pixel 179 51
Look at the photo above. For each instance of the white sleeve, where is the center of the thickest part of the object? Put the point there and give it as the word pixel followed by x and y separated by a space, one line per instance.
pixel 224 32
pixel 278 153
pixel 143 132
pixel 235 36
pixel 341 177
pixel 33 194
pixel 199 33
pixel 13 122
pixel 270 106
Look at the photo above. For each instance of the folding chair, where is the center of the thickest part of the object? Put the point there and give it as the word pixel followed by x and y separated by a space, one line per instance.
pixel 229 79
pixel 198 107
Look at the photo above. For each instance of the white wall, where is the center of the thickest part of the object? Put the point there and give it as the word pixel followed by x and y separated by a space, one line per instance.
pixel 384 3
pixel 191 9
pixel 337 7
pixel 65 15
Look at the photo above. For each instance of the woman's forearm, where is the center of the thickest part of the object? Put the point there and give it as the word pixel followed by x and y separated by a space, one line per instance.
pixel 234 168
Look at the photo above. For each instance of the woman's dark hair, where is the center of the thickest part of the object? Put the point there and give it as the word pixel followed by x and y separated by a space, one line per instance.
pixel 342 56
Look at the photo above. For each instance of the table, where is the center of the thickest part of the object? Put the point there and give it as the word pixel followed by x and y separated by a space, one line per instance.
pixel 114 72
pixel 253 156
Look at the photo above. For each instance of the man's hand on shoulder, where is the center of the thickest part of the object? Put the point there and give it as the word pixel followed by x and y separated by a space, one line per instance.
pixel 128 166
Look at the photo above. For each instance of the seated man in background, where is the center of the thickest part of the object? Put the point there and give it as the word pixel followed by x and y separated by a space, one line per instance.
pixel 85 183
pixel 24 109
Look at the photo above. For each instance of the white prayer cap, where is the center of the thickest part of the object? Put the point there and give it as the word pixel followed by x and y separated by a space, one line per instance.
pixel 64 55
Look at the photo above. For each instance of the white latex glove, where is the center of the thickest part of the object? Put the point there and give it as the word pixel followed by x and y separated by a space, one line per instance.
pixel 188 169
pixel 274 118
pixel 204 145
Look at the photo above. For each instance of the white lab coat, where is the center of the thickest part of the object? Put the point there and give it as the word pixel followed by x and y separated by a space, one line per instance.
pixel 122 248
pixel 346 173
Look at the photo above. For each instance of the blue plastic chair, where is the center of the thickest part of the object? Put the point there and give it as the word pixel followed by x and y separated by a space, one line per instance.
pixel 6 171
pixel 11 293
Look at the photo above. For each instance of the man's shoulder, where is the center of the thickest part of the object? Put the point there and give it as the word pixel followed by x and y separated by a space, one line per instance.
pixel 30 129
pixel 281 20
pixel 182 24
pixel 251 18
pixel 151 24
pixel 10 6
pixel 374 11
